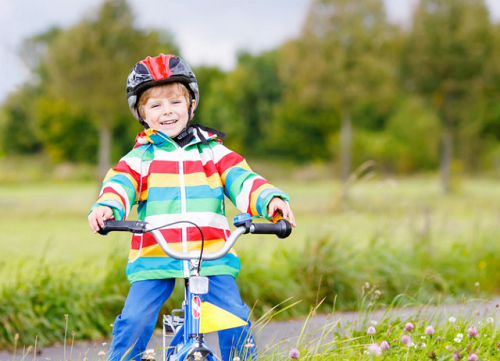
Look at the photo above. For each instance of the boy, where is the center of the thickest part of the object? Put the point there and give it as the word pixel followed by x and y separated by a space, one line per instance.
pixel 178 172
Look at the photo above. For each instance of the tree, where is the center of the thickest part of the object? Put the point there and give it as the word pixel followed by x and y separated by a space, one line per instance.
pixel 242 102
pixel 340 62
pixel 89 63
pixel 59 124
pixel 444 60
pixel 18 129
pixel 489 132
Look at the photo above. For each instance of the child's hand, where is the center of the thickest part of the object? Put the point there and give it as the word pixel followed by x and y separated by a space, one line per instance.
pixel 98 216
pixel 278 204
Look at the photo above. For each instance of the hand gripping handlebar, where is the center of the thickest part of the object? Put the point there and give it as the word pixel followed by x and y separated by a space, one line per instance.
pixel 243 222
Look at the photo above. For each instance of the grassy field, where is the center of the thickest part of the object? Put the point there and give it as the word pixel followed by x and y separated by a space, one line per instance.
pixel 401 235
pixel 50 220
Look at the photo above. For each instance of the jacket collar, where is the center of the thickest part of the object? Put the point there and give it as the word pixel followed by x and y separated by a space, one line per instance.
pixel 156 137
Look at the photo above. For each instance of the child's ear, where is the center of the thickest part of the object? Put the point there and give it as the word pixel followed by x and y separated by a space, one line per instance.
pixel 192 103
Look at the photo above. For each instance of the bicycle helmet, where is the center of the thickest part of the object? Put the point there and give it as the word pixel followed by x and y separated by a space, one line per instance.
pixel 161 69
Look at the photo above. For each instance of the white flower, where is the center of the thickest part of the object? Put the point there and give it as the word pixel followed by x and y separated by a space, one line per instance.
pixel 490 320
pixel 460 335
pixel 422 345
pixel 458 340
pixel 104 343
pixel 452 319
pixel 366 352
pixel 422 337
pixel 149 354
pixel 476 284
pixel 236 358
pixel 373 322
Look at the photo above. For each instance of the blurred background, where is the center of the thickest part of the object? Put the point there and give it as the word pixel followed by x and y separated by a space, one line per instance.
pixel 381 118
pixel 412 86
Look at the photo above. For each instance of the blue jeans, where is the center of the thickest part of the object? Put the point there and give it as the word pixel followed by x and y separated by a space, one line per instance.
pixel 134 327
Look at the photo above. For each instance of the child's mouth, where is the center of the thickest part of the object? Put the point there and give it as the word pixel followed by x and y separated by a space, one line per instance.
pixel 168 122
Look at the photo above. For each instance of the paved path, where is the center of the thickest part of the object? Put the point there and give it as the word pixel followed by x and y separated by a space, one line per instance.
pixel 284 333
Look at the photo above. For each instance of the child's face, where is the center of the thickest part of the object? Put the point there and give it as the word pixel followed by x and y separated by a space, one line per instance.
pixel 167 113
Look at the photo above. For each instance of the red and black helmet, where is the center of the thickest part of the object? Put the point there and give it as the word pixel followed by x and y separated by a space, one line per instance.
pixel 161 69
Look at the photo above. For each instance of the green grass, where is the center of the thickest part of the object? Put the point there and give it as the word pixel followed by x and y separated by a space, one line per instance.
pixel 402 235
pixel 424 333
pixel 462 332
pixel 49 221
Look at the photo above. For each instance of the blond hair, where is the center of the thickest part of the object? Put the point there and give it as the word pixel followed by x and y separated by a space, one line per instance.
pixel 164 90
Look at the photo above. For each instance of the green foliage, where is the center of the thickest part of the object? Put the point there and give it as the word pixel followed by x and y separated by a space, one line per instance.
pixel 447 48
pixel 338 68
pixel 444 59
pixel 17 128
pixel 79 75
pixel 300 131
pixel 91 76
pixel 241 103
pixel 35 307
pixel 206 77
pixel 402 147
pixel 59 125
pixel 351 87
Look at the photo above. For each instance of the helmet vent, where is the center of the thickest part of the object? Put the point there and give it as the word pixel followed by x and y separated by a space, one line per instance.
pixel 173 62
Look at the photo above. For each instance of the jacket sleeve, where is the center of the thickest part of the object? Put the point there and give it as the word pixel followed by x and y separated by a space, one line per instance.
pixel 120 186
pixel 248 191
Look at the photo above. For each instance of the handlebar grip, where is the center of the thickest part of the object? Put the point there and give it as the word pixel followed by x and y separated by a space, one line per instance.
pixel 282 228
pixel 123 226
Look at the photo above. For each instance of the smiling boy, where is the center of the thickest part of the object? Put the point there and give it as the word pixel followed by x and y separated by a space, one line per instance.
pixel 178 172
pixel 166 108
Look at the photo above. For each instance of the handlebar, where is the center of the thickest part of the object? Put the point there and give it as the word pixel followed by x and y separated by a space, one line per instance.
pixel 243 222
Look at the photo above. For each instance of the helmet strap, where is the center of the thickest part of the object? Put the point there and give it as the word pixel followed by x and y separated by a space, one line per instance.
pixel 187 130
pixel 190 109
pixel 139 118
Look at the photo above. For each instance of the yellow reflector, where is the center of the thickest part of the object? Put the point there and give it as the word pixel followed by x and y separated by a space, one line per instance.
pixel 214 318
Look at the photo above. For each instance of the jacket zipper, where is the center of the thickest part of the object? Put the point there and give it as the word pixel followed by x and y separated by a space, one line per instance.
pixel 185 264
pixel 183 211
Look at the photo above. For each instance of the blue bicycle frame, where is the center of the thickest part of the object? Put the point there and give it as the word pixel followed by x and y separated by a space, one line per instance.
pixel 189 335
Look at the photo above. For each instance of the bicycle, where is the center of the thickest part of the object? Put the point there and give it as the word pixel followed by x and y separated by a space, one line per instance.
pixel 183 325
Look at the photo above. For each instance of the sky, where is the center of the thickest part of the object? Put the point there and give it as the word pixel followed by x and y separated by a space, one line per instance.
pixel 208 32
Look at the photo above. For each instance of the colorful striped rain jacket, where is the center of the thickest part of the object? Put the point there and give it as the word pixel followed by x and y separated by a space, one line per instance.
pixel 169 184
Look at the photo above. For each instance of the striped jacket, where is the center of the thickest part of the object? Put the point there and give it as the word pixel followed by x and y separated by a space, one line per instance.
pixel 169 184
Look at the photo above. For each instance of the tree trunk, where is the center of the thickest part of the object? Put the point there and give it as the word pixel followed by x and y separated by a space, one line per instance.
pixel 104 150
pixel 446 155
pixel 345 147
